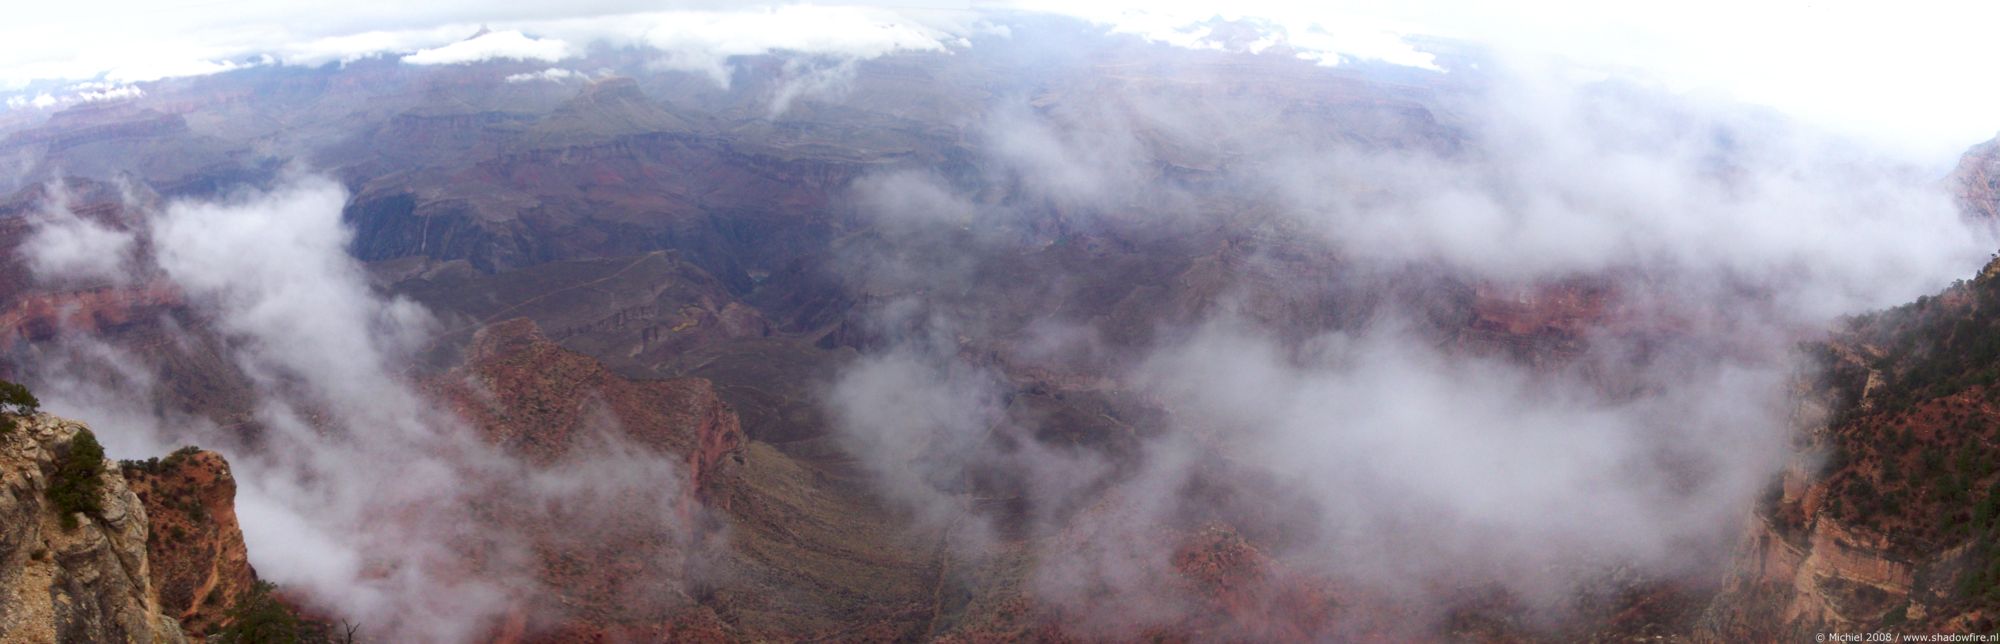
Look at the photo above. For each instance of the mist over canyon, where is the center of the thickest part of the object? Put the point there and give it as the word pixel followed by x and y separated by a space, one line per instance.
pixel 838 323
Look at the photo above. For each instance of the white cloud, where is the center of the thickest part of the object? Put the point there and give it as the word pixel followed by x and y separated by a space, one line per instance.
pixel 62 247
pixel 554 74
pixel 1524 475
pixel 706 38
pixel 79 93
pixel 360 493
pixel 910 198
pixel 347 48
pixel 803 79
pixel 1415 458
pixel 140 44
pixel 913 416
pixel 40 101
pixel 111 94
pixel 1312 33
pixel 168 67
pixel 306 328
pixel 497 45
pixel 702 41
pixel 1895 74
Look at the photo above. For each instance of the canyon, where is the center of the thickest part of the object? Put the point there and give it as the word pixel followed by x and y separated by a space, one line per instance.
pixel 1025 341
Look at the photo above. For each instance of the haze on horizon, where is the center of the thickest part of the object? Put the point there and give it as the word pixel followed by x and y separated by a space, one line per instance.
pixel 1900 76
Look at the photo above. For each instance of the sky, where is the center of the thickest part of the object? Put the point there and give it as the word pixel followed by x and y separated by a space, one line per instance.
pixel 1904 76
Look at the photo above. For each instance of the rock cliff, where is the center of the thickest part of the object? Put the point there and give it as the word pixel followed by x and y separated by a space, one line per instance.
pixel 88 583
pixel 199 563
pixel 1886 519
pixel 612 573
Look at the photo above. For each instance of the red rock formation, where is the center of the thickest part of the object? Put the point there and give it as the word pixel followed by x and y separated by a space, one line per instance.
pixel 199 563
pixel 612 575
pixel 1250 594
pixel 1561 309
pixel 42 315
pixel 1880 522
pixel 532 396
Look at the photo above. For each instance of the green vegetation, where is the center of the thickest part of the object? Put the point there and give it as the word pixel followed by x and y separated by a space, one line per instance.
pixel 260 618
pixel 1982 582
pixel 1898 615
pixel 155 465
pixel 15 400
pixel 78 481
pixel 1938 345
pixel 182 454
pixel 1919 462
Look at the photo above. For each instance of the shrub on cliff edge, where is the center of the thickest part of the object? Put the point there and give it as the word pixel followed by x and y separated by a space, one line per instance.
pixel 259 618
pixel 78 478
pixel 15 400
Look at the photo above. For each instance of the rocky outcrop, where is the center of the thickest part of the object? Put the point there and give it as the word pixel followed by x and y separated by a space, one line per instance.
pixel 536 398
pixel 42 315
pixel 1785 587
pixel 1976 182
pixel 614 569
pixel 199 563
pixel 88 583
pixel 1885 519
pixel 1786 584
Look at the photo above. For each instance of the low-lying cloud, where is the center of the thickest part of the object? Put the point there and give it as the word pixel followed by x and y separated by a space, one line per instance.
pixel 704 41
pixel 63 246
pixel 496 45
pixel 1415 454
pixel 552 74
pixel 355 488
pixel 1477 464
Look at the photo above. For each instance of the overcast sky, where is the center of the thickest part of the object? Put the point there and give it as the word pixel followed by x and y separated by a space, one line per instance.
pixel 1910 76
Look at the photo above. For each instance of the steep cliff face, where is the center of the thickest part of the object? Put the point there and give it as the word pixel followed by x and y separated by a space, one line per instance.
pixel 1836 578
pixel 1891 513
pixel 199 563
pixel 87 583
pixel 1977 180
